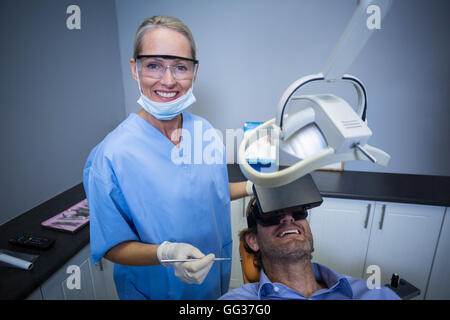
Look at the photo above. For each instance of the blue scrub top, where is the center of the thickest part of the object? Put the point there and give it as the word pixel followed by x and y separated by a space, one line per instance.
pixel 136 192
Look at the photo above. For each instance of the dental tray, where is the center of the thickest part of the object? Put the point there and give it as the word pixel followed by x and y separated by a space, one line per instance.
pixel 70 220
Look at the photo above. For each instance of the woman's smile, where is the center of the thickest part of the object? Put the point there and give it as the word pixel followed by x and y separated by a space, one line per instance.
pixel 166 95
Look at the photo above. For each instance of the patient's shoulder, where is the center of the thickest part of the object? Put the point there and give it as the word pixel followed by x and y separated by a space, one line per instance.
pixel 248 291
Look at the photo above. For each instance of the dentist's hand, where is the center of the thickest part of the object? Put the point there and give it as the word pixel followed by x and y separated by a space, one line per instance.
pixel 190 272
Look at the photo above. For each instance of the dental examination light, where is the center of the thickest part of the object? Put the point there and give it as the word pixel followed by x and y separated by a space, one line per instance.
pixel 324 129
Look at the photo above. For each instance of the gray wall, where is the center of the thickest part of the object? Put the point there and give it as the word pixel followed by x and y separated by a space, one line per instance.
pixel 251 51
pixel 61 92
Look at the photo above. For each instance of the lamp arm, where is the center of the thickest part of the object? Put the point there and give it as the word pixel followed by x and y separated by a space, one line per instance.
pixel 290 91
pixel 361 109
pixel 353 39
pixel 303 167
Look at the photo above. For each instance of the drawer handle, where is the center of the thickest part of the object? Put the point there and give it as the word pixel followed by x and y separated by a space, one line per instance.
pixel 100 264
pixel 366 222
pixel 383 212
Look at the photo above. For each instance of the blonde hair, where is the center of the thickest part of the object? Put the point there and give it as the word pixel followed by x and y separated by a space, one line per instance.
pixel 165 22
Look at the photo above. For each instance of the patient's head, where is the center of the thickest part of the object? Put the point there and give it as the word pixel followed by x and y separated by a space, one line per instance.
pixel 281 237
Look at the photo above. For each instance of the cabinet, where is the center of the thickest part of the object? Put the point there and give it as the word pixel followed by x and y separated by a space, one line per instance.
pixel 35 295
pixel 56 287
pixel 403 240
pixel 103 280
pixel 439 285
pixel 341 232
pixel 95 281
pixel 350 235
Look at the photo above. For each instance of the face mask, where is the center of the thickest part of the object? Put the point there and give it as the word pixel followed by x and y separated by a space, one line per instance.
pixel 165 110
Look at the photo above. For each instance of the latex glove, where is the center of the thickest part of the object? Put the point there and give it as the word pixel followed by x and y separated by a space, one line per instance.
pixel 190 272
pixel 249 188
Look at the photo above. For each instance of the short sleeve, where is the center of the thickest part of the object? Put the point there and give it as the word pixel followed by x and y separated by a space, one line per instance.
pixel 110 223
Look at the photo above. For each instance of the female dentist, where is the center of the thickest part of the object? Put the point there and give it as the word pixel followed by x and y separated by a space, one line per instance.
pixel 145 207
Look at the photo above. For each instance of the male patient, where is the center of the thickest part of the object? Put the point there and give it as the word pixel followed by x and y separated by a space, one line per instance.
pixel 282 243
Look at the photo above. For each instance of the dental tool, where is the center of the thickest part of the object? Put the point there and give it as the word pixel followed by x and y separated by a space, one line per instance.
pixel 192 259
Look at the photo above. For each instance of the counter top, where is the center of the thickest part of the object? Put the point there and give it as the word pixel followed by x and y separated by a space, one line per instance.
pixel 18 284
pixel 389 187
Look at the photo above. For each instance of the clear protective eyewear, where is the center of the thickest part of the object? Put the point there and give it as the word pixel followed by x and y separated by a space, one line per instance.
pixel 155 66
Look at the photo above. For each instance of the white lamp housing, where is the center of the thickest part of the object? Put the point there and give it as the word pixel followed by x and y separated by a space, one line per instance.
pixel 339 124
pixel 325 130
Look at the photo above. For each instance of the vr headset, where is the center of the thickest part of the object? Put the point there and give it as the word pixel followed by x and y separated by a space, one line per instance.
pixel 272 203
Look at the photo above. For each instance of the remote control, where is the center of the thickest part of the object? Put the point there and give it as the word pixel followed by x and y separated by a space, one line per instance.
pixel 31 241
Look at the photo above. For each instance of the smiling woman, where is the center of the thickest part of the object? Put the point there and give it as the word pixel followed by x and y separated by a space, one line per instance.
pixel 163 43
pixel 138 196
pixel 165 72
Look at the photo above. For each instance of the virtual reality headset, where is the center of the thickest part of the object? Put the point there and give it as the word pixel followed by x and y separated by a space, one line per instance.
pixel 272 203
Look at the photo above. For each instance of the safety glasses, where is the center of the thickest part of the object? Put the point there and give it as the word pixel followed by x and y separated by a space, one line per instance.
pixel 155 66
pixel 273 218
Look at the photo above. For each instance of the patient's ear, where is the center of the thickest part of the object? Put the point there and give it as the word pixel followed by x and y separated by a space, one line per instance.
pixel 250 238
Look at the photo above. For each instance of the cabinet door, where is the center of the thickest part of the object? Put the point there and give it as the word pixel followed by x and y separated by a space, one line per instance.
pixel 439 286
pixel 237 207
pixel 403 241
pixel 103 279
pixel 35 295
pixel 57 288
pixel 341 230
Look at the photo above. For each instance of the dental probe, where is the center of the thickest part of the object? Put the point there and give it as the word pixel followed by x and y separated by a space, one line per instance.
pixel 193 259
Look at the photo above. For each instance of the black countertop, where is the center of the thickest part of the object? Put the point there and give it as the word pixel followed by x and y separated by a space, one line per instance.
pixel 389 187
pixel 18 284
pixel 401 188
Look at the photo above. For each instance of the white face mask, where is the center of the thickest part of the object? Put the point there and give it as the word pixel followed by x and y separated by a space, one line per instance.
pixel 165 110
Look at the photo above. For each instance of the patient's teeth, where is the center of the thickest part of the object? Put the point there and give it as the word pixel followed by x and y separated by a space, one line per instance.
pixel 288 231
